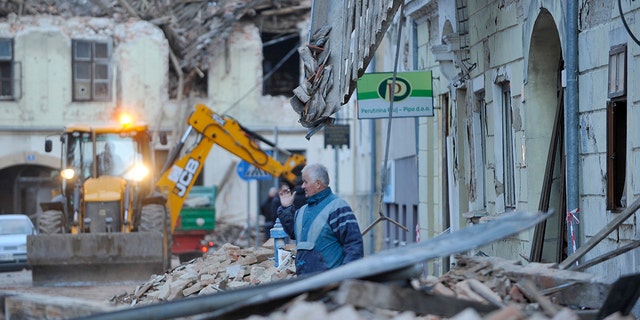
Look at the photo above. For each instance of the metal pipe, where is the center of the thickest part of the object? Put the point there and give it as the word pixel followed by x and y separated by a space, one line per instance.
pixel 571 131
pixel 372 174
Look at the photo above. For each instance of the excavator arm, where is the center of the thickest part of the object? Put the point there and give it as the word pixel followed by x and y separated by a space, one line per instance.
pixel 182 169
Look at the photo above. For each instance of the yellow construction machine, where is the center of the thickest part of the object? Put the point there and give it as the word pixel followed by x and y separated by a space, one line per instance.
pixel 112 220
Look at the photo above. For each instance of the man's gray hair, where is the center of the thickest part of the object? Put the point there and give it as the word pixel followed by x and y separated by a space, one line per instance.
pixel 317 171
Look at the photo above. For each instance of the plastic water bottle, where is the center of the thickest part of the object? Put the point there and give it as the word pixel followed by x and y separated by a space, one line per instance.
pixel 278 235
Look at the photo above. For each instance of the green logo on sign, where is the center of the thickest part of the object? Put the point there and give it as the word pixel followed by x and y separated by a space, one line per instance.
pixel 401 90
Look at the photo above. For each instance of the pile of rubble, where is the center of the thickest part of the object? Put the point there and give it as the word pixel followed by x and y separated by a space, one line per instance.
pixel 226 268
pixel 476 288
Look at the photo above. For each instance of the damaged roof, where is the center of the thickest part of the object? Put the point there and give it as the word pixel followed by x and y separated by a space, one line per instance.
pixel 192 28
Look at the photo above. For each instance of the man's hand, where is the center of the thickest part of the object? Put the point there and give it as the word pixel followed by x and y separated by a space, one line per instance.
pixel 286 197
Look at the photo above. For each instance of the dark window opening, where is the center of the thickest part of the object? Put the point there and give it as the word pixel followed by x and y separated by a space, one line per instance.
pixel 616 154
pixel 6 69
pixel 280 65
pixel 617 128
pixel 195 83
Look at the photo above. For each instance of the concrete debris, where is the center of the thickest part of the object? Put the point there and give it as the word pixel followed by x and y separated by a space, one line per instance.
pixel 227 268
pixel 475 288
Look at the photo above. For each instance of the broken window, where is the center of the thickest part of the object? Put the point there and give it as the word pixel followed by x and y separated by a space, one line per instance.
pixel 616 154
pixel 508 149
pixel 281 63
pixel 6 69
pixel 195 83
pixel 617 128
pixel 91 70
pixel 480 133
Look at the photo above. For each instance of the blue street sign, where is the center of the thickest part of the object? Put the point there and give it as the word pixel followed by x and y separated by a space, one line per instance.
pixel 247 172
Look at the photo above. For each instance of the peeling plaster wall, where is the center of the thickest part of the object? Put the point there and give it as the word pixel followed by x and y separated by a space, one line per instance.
pixel 142 67
pixel 42 55
pixel 602 25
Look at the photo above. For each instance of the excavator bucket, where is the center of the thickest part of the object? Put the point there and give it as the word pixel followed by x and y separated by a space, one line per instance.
pixel 95 258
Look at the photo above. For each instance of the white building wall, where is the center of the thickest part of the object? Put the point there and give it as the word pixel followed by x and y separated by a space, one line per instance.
pixel 593 82
pixel 43 103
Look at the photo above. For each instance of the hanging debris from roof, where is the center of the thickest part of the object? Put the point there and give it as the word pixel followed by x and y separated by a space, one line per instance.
pixel 309 97
pixel 349 32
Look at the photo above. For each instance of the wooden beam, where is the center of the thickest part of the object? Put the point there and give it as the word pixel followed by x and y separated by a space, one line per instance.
pixel 593 241
pixel 606 256
pixel 366 294
pixel 283 11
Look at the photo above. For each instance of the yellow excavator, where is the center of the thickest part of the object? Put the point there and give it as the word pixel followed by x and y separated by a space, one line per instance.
pixel 112 220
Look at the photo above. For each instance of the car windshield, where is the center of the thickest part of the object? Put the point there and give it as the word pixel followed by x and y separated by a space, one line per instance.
pixel 14 227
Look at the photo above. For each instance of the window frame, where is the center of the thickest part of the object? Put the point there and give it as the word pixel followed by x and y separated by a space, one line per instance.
pixel 91 70
pixel 10 77
pixel 617 71
pixel 508 155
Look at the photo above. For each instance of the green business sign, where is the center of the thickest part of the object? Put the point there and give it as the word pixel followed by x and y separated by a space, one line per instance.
pixel 412 95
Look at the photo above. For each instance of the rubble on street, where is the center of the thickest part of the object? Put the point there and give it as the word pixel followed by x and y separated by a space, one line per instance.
pixel 243 283
pixel 228 267
pixel 475 288
pixel 236 282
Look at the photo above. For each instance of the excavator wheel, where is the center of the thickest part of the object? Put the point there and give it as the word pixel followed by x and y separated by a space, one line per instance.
pixel 155 217
pixel 152 218
pixel 50 221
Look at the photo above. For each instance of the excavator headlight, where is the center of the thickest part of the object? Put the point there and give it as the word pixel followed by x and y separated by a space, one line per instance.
pixel 139 172
pixel 68 174
pixel 125 119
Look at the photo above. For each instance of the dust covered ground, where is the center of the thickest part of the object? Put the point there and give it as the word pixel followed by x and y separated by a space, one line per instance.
pixel 20 281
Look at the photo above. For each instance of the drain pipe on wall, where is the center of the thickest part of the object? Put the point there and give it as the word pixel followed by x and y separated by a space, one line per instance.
pixel 571 141
pixel 372 183
pixel 373 166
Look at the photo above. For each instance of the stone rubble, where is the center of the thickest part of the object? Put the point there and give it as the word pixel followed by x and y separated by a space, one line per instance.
pixel 472 279
pixel 228 267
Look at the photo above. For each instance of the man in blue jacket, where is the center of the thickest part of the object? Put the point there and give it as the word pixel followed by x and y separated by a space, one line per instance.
pixel 325 229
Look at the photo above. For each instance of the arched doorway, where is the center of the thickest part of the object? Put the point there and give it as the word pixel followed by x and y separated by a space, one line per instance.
pixel 23 187
pixel 544 144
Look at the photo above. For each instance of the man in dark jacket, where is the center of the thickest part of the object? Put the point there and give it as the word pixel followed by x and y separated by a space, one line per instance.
pixel 267 210
pixel 325 229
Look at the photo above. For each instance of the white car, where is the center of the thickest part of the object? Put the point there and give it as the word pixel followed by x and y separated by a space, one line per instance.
pixel 14 229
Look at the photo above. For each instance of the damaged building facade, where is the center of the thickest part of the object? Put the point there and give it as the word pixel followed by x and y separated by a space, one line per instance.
pixel 84 63
pixel 497 144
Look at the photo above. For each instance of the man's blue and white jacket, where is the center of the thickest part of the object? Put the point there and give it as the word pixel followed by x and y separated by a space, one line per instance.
pixel 326 232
